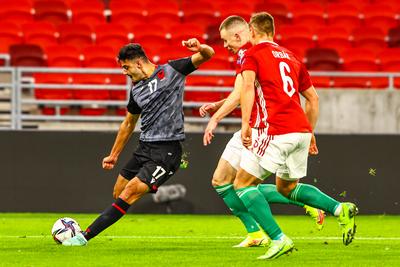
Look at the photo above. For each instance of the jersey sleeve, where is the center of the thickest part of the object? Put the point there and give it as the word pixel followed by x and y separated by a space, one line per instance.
pixel 183 65
pixel 304 79
pixel 249 63
pixel 132 106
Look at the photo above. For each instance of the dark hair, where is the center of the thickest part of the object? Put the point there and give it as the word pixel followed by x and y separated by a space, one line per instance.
pixel 263 22
pixel 231 21
pixel 132 51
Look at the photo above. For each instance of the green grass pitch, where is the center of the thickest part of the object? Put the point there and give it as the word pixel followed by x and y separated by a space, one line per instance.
pixel 194 240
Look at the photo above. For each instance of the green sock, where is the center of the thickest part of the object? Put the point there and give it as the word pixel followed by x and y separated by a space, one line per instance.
pixel 233 202
pixel 273 196
pixel 312 196
pixel 258 207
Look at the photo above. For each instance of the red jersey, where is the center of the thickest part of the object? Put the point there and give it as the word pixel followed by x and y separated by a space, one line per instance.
pixel 280 76
pixel 239 61
pixel 240 56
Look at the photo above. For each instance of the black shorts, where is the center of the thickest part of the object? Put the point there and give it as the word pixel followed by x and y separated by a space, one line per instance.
pixel 153 163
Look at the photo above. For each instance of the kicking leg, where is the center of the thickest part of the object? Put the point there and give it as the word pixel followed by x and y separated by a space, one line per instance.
pixel 133 191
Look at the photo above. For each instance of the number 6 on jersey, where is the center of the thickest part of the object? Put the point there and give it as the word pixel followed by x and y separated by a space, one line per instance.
pixel 287 81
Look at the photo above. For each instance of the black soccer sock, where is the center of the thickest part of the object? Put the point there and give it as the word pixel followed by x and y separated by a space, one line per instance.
pixel 107 218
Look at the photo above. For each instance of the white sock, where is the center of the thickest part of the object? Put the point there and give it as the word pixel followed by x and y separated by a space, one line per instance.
pixel 338 210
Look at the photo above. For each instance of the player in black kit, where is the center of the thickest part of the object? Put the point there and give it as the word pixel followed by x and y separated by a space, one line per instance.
pixel 156 96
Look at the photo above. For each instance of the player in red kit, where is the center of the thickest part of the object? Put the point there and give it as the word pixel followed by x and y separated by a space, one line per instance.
pixel 234 31
pixel 273 79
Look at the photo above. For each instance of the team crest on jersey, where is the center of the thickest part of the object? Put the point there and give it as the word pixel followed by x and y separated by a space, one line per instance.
pixel 161 74
pixel 241 56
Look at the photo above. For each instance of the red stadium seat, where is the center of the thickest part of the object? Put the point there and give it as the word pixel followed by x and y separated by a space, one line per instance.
pixel 389 59
pixel 16 11
pixel 118 79
pixel 27 55
pixel 172 52
pixel 162 7
pixel 203 96
pixel 63 56
pixel 120 14
pixel 54 11
pixel 359 59
pixel 121 111
pixel 337 44
pixel 201 5
pixel 163 12
pixel 243 9
pixel 164 19
pixel 336 38
pixel 360 82
pixel 148 27
pixel 392 3
pixel 195 80
pixel 394 37
pixel 92 111
pixel 10 33
pixel 308 14
pixel 153 49
pixel 40 33
pixel 199 13
pixel 151 41
pixel 213 35
pixel 88 12
pixel 296 38
pixel 289 4
pixel 50 111
pixel 358 3
pixel 369 37
pixel 99 57
pixel 321 82
pixel 113 35
pixel 294 31
pixel 75 34
pixel 53 78
pixel 217 64
pixel 278 10
pixel 322 59
pixel 90 94
pixel 379 15
pixel 185 31
pixel 344 15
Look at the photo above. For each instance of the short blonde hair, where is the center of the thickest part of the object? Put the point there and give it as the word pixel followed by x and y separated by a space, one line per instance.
pixel 263 23
pixel 231 22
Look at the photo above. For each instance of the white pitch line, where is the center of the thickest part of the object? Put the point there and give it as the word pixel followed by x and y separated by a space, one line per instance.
pixel 209 237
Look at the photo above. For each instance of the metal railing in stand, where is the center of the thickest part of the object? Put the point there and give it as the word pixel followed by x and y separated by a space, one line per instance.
pixel 19 100
pixel 21 72
pixel 11 85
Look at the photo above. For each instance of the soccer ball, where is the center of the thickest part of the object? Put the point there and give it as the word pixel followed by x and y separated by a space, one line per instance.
pixel 64 228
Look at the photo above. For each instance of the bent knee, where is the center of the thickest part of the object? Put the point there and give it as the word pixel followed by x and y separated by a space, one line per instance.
pixel 224 179
pixel 285 191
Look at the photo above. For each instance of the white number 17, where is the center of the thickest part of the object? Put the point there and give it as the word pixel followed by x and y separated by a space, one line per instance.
pixel 152 86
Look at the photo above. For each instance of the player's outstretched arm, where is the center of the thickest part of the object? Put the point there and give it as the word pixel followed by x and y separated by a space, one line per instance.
pixel 246 102
pixel 227 107
pixel 124 133
pixel 312 113
pixel 204 52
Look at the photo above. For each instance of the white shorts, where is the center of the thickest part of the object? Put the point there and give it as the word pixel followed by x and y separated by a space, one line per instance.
pixel 233 150
pixel 285 155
